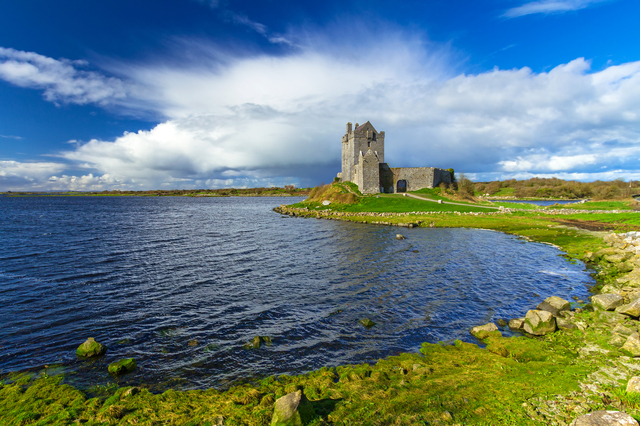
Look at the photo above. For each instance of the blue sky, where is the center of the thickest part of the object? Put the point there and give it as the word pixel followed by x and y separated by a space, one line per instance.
pixel 206 93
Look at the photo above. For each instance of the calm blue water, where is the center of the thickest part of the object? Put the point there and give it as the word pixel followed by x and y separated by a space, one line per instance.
pixel 180 284
pixel 539 202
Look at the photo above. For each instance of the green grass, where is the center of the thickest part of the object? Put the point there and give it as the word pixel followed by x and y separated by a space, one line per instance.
pixel 504 192
pixel 394 203
pixel 601 205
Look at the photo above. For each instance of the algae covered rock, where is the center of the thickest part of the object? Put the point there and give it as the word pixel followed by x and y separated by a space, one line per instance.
pixel 367 322
pixel 482 331
pixel 564 324
pixel 400 237
pixel 607 302
pixel 123 366
pixel 605 418
pixel 292 410
pixel 539 322
pixel 632 309
pixel 633 385
pixel 257 341
pixel 555 305
pixel 91 349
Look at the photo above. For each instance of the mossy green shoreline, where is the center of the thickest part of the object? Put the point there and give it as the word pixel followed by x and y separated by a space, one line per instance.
pixel 521 380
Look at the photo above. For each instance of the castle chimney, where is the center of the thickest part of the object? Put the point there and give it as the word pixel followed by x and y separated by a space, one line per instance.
pixel 357 125
pixel 349 127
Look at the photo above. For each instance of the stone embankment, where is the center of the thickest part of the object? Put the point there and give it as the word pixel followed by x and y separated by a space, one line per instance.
pixel 330 214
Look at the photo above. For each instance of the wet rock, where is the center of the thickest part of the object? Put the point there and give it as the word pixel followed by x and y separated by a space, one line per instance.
pixel 539 323
pixel 605 418
pixel 501 323
pixel 90 349
pixel 516 324
pixel 123 366
pixel 607 302
pixel 632 309
pixel 481 331
pixel 257 341
pixel 292 410
pixel 633 385
pixel 632 345
pixel 555 305
pixel 400 237
pixel 131 392
pixel 367 322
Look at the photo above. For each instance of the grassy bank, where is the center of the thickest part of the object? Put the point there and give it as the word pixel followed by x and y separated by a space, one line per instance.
pixel 522 380
pixel 224 192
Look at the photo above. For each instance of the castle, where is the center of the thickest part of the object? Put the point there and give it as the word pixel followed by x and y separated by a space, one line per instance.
pixel 363 164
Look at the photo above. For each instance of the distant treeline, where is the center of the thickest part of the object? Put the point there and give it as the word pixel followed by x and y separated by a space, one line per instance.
pixel 558 188
pixel 223 192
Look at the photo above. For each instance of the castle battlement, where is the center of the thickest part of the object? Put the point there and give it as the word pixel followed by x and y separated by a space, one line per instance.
pixel 363 164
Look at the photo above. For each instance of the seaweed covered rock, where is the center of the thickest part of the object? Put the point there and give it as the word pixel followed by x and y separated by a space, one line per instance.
pixel 539 322
pixel 367 322
pixel 482 331
pixel 257 341
pixel 91 349
pixel 123 366
pixel 607 302
pixel 605 418
pixel 292 410
pixel 555 305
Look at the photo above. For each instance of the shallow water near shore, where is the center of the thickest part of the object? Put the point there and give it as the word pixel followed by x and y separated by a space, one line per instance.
pixel 180 284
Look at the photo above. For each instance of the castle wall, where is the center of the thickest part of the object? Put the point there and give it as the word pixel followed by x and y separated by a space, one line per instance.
pixel 419 177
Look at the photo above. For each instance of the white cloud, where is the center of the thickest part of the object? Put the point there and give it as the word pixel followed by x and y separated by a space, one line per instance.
pixel 18 175
pixel 62 80
pixel 242 119
pixel 549 7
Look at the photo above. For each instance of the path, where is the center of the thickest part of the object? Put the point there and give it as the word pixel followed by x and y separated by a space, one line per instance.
pixel 448 202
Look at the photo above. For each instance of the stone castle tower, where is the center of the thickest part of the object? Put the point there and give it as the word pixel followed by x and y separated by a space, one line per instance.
pixel 363 164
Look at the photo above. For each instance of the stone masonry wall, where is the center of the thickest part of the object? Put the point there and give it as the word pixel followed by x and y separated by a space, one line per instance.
pixel 419 177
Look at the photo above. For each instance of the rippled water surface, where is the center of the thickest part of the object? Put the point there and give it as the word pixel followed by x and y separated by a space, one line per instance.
pixel 180 284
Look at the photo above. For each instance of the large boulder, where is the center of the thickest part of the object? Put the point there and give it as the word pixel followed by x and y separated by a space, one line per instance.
pixel 123 366
pixel 607 302
pixel 539 322
pixel 482 331
pixel 555 305
pixel 292 410
pixel 605 418
pixel 90 349
pixel 632 309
